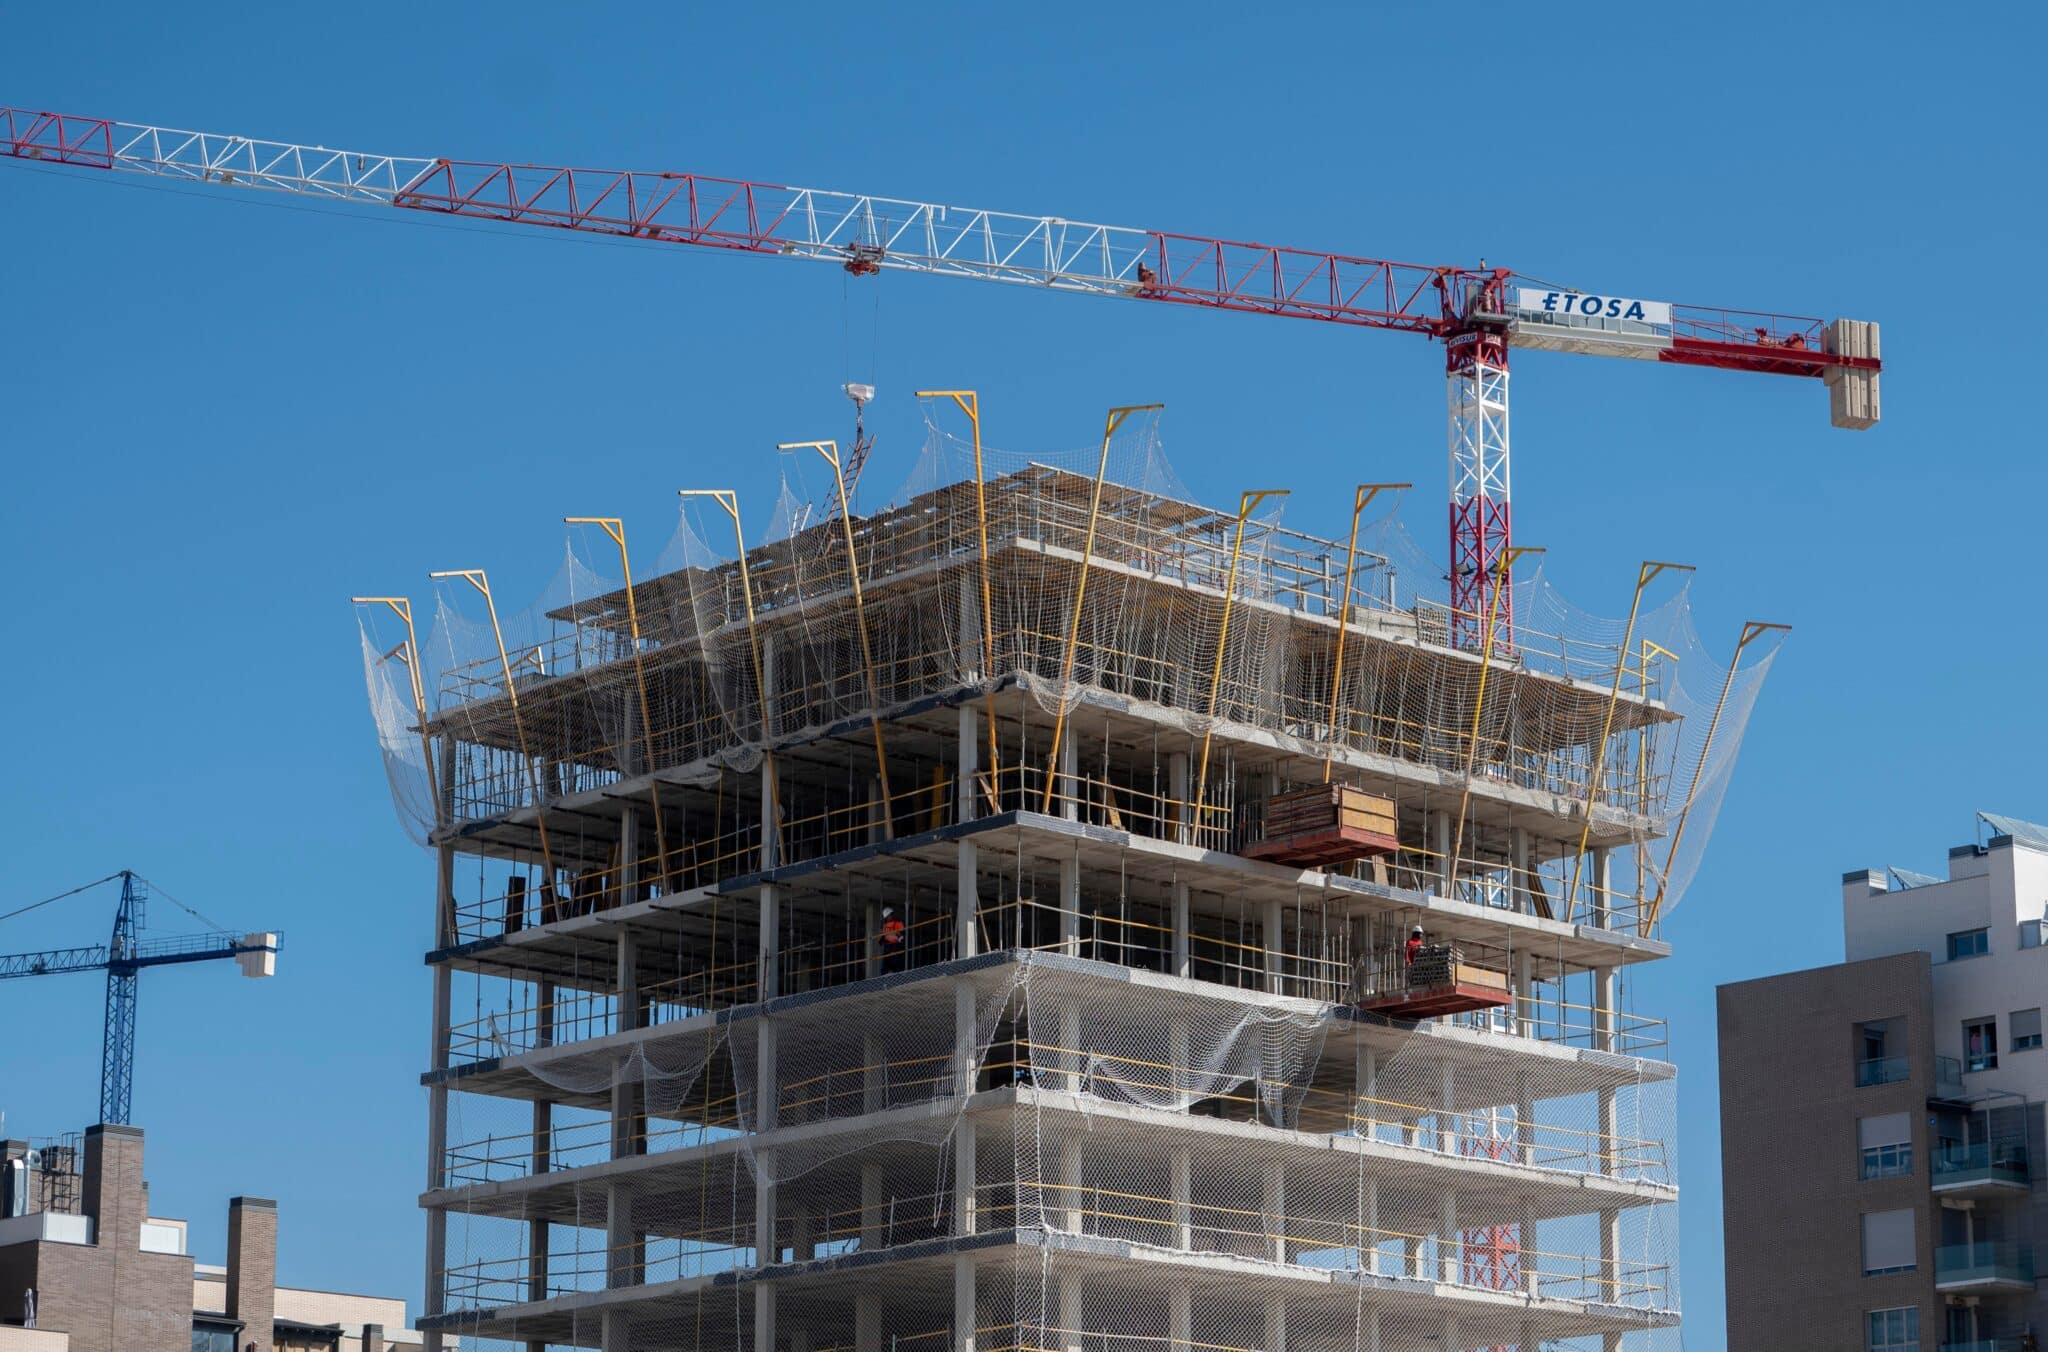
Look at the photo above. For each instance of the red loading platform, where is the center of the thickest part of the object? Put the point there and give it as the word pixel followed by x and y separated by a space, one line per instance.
pixel 1438 983
pixel 1328 824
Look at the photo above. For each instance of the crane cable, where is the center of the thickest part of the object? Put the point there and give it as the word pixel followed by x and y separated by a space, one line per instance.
pixel 82 887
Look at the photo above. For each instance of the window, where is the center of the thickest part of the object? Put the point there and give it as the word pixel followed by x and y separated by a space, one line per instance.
pixel 1879 1050
pixel 1969 944
pixel 1980 1044
pixel 1887 1242
pixel 2026 1029
pixel 1893 1330
pixel 207 1338
pixel 1886 1144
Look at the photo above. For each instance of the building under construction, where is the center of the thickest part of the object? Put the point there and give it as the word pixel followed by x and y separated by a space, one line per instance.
pixel 991 923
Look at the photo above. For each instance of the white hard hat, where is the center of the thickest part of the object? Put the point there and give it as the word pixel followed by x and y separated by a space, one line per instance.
pixel 1416 930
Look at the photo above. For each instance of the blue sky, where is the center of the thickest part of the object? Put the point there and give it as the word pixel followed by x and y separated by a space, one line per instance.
pixel 220 420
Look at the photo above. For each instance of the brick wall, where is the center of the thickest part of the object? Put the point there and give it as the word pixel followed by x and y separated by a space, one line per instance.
pixel 1791 1197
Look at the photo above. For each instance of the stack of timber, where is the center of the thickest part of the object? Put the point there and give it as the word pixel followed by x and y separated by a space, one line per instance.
pixel 1328 824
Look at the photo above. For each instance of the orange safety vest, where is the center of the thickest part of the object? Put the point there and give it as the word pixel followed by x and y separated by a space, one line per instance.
pixel 892 931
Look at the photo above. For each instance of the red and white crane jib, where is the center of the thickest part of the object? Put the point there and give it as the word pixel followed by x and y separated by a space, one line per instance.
pixel 1477 313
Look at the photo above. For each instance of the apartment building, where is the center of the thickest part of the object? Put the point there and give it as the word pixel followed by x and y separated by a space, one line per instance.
pixel 85 1267
pixel 1882 1118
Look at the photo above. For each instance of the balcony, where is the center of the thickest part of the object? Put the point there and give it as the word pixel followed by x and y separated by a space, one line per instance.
pixel 1987 1345
pixel 1984 1265
pixel 1980 1167
pixel 1882 1070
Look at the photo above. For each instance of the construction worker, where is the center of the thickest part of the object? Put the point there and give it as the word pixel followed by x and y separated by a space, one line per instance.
pixel 893 932
pixel 1414 945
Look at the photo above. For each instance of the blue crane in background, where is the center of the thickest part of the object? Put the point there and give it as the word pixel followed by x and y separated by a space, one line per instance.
pixel 123 959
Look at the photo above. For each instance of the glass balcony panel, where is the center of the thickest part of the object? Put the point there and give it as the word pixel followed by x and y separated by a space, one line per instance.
pixel 1985 1262
pixel 1881 1070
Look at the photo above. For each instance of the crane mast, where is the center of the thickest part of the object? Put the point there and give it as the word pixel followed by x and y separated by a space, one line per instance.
pixel 1475 312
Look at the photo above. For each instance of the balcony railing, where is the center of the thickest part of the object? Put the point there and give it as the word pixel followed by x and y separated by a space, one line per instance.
pixel 1986 1262
pixel 1882 1070
pixel 1980 1163
pixel 1948 1077
pixel 1986 1345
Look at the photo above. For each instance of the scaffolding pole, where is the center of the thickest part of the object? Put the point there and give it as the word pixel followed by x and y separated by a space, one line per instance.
pixel 1361 497
pixel 1646 574
pixel 475 577
pixel 616 529
pixel 1059 723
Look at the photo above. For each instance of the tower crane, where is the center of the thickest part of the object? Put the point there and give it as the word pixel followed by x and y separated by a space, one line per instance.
pixel 124 958
pixel 1479 314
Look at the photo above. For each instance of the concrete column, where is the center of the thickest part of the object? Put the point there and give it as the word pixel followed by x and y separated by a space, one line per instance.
pixel 1366 1089
pixel 965 1065
pixel 803 1242
pixel 1273 1208
pixel 628 880
pixel 1447 1112
pixel 873 1219
pixel 1518 870
pixel 538 1234
pixel 1070 774
pixel 767 1095
pixel 964 1320
pixel 1440 841
pixel 771 942
pixel 1524 988
pixel 1276 1324
pixel 1072 1206
pixel 1177 790
pixel 874 1075
pixel 1372 1330
pixel 1182 1056
pixel 1180 1319
pixel 1070 905
pixel 764 1317
pixel 1369 1217
pixel 1070 1055
pixel 1181 1161
pixel 1610 1255
pixel 373 1338
pixel 435 1301
pixel 1070 1333
pixel 1448 1252
pixel 626 1095
pixel 1183 921
pixel 867 1322
pixel 622 1242
pixel 1601 898
pixel 967 922
pixel 1275 939
pixel 871 944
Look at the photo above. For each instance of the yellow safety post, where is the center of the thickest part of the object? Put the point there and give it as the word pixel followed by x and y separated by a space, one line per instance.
pixel 830 451
pixel 1650 647
pixel 408 652
pixel 1648 573
pixel 1751 631
pixel 1501 584
pixel 970 404
pixel 1360 498
pixel 730 501
pixel 1059 723
pixel 1246 503
pixel 475 578
pixel 616 529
